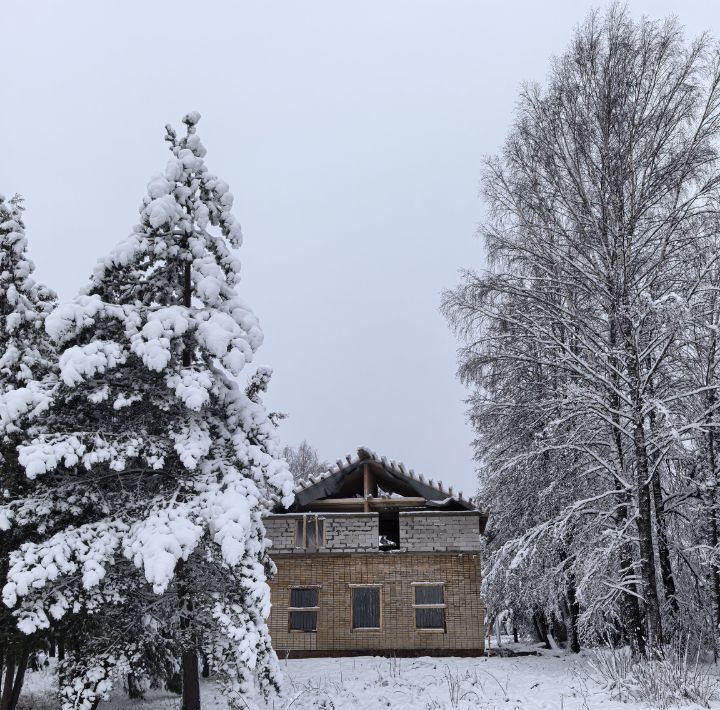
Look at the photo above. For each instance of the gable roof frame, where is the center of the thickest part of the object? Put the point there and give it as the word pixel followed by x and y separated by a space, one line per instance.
pixel 325 484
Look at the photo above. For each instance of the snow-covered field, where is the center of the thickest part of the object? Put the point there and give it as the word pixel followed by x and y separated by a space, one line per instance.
pixel 548 682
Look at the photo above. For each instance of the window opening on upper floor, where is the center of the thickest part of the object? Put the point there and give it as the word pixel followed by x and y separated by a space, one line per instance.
pixel 310 532
pixel 389 530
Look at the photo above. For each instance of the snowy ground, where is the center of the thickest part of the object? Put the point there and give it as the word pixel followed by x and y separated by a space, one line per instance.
pixel 548 682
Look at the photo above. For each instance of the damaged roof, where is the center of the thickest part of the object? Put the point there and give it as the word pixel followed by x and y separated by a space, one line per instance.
pixel 345 480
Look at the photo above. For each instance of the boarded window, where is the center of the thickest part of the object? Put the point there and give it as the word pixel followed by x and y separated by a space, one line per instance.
pixel 430 618
pixel 429 603
pixel 303 609
pixel 309 532
pixel 304 597
pixel 429 594
pixel 366 608
pixel 303 621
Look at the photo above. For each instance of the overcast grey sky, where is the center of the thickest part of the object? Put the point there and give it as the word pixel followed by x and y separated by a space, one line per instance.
pixel 351 134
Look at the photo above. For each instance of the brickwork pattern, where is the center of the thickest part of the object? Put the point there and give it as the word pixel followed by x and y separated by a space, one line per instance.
pixel 430 531
pixel 280 529
pixel 344 532
pixel 420 531
pixel 395 571
pixel 352 532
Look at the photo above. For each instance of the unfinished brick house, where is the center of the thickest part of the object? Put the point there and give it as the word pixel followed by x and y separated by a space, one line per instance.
pixel 374 559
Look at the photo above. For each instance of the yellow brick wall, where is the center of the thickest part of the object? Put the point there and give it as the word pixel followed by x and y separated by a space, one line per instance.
pixel 464 611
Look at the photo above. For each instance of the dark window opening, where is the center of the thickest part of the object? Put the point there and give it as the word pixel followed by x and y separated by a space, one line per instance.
pixel 429 594
pixel 389 529
pixel 303 621
pixel 304 597
pixel 429 604
pixel 430 618
pixel 303 609
pixel 366 612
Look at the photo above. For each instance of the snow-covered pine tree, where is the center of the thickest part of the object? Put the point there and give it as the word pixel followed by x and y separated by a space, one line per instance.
pixel 150 421
pixel 25 361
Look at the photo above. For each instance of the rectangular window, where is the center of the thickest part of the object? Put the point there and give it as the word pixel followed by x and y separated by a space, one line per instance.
pixel 303 609
pixel 429 605
pixel 389 529
pixel 366 607
pixel 315 533
pixel 309 532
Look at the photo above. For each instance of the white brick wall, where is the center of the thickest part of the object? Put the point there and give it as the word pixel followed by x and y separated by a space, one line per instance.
pixel 344 532
pixel 421 531
pixel 431 531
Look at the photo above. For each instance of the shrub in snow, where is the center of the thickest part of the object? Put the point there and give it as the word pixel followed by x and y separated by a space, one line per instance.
pixel 150 458
pixel 672 678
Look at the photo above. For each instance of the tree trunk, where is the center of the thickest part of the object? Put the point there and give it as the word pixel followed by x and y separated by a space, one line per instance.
pixel 187 302
pixel 571 607
pixel 134 690
pixel 648 574
pixel 571 619
pixel 2 662
pixel 189 659
pixel 541 628
pixel 661 537
pixel 714 541
pixel 631 605
pixel 205 666
pixel 19 678
pixel 8 682
pixel 666 573
pixel 191 680
pixel 61 660
pixel 711 501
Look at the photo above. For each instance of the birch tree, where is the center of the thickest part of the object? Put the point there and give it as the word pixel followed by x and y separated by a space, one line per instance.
pixel 304 461
pixel 593 214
